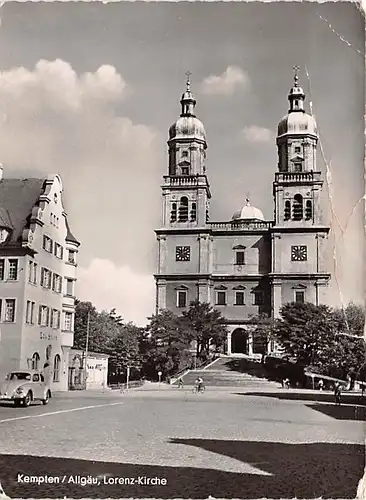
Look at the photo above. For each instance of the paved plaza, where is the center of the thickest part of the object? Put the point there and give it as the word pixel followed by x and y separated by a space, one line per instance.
pixel 164 442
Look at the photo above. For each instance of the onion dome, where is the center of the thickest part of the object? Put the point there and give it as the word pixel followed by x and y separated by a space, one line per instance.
pixel 188 126
pixel 297 121
pixel 248 212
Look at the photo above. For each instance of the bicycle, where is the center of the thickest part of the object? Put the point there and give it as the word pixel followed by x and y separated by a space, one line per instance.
pixel 198 388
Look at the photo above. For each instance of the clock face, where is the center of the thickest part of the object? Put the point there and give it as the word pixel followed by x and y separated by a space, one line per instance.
pixel 299 253
pixel 183 254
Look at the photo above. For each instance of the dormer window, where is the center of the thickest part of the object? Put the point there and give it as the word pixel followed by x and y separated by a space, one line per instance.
pixel 298 166
pixel 185 170
pixel 4 233
pixel 297 149
pixel 185 153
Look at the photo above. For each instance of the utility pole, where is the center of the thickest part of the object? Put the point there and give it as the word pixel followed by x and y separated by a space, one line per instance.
pixel 86 348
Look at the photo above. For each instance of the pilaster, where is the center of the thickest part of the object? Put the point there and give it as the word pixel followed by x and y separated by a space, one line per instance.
pixel 162 250
pixel 276 298
pixel 161 296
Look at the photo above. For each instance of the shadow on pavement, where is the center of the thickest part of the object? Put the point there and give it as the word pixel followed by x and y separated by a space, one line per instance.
pixel 320 396
pixel 295 470
pixel 341 412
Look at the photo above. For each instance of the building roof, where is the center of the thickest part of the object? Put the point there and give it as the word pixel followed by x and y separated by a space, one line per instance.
pixel 297 123
pixel 17 199
pixel 70 237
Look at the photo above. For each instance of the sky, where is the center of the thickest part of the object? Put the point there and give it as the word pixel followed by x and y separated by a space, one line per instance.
pixel 89 90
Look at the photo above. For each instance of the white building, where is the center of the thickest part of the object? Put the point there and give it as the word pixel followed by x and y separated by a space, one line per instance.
pixel 38 260
pixel 96 370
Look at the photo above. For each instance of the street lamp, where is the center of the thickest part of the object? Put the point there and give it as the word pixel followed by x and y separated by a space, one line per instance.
pixel 128 376
pixel 193 350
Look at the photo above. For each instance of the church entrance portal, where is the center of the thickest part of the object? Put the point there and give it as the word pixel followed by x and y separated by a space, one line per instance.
pixel 239 341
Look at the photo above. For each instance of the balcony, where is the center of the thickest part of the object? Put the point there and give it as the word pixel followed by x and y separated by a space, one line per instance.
pixel 67 339
pixel 68 301
pixel 295 177
pixel 241 226
pixel 185 181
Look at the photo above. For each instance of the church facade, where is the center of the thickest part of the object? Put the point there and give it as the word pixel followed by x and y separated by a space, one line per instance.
pixel 247 266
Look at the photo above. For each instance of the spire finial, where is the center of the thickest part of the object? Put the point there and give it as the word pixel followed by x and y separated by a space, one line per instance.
pixel 296 75
pixel 247 198
pixel 188 81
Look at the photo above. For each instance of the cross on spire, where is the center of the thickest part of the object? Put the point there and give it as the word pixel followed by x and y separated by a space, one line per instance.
pixel 188 81
pixel 296 75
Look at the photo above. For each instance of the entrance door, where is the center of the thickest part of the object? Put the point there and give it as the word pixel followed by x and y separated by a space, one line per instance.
pixel 239 341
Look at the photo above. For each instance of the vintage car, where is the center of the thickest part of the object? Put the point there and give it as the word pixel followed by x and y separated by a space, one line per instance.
pixel 23 387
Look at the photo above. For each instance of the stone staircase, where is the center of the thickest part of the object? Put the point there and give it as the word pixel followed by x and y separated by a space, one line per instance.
pixel 230 372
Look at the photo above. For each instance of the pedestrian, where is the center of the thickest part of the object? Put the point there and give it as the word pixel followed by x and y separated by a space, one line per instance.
pixel 337 393
pixel 180 384
pixel 321 385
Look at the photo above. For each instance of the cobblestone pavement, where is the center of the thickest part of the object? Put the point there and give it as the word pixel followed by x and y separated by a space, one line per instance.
pixel 227 443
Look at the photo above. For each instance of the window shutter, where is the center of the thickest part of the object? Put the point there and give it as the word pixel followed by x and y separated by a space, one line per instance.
pixel 40 315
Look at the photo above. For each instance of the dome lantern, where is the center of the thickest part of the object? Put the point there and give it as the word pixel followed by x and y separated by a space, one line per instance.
pixel 188 126
pixel 297 122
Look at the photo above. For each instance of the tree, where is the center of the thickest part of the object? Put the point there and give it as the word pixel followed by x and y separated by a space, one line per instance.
pixel 350 319
pixel 343 357
pixel 263 332
pixel 305 331
pixel 124 352
pixel 207 327
pixel 165 345
pixel 82 310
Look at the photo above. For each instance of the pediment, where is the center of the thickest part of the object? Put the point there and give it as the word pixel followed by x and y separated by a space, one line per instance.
pixel 221 287
pixel 297 158
pixel 184 163
pixel 299 287
pixel 239 247
pixel 181 287
pixel 239 287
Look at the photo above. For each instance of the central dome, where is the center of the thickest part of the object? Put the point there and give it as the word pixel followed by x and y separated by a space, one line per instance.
pixel 187 127
pixel 248 212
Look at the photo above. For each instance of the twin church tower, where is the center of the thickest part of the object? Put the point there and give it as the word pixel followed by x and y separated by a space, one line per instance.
pixel 245 266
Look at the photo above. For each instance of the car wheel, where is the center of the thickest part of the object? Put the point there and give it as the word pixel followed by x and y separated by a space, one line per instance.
pixel 47 398
pixel 28 399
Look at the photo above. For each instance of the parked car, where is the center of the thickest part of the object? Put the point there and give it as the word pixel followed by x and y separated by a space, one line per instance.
pixel 23 387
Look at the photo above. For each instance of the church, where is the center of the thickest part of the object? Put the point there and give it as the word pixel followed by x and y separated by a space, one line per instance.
pixel 247 266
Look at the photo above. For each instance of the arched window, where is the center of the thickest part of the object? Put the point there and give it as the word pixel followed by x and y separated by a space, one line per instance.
pixel 173 213
pixel 35 361
pixel 287 213
pixel 183 209
pixel 193 212
pixel 297 207
pixel 56 368
pixel 308 210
